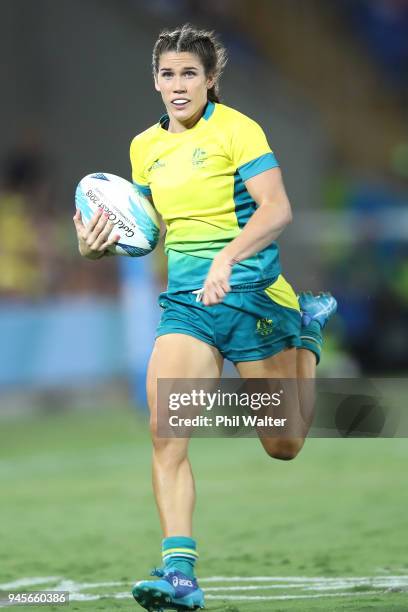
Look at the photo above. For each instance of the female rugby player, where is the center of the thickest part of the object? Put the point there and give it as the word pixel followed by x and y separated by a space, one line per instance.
pixel 212 176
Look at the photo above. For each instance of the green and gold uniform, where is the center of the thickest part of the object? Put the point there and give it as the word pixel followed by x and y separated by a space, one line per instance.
pixel 197 181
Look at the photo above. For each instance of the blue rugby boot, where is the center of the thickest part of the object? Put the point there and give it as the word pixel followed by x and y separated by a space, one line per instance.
pixel 174 591
pixel 316 307
pixel 315 312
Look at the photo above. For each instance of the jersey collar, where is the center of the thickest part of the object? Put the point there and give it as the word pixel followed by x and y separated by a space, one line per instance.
pixel 208 111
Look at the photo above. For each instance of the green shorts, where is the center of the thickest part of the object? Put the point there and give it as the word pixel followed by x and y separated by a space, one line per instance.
pixel 248 325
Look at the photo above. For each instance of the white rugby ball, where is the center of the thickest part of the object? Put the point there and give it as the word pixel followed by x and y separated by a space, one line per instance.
pixel 133 216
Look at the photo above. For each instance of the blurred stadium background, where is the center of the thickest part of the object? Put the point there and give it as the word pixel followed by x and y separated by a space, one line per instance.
pixel 328 81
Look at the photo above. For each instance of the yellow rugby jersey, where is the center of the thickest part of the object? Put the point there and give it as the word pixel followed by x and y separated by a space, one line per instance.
pixel 197 181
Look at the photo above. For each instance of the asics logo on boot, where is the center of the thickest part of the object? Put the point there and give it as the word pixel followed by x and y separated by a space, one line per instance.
pixel 180 582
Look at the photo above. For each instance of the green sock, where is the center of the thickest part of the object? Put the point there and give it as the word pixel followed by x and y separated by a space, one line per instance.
pixel 179 552
pixel 312 338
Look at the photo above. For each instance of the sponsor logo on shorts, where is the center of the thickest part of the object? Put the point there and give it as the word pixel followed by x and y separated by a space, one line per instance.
pixel 264 327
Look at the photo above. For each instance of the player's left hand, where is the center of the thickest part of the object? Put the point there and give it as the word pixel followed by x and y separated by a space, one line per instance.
pixel 216 284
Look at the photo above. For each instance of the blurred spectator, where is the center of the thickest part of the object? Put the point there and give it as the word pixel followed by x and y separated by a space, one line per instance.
pixel 384 25
pixel 38 251
pixel 25 196
pixel 369 275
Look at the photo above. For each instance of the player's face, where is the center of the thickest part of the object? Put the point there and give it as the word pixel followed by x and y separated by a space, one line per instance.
pixel 183 85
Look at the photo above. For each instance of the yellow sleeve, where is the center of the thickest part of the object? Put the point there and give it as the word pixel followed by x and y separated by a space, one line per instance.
pixel 251 153
pixel 138 163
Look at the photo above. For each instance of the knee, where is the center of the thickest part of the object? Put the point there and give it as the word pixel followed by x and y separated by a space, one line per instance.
pixel 285 450
pixel 169 452
pixel 160 444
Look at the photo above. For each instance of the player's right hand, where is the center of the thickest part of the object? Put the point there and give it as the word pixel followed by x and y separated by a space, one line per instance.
pixel 93 239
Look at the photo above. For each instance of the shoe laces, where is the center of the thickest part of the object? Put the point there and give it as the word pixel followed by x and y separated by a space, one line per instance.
pixel 157 571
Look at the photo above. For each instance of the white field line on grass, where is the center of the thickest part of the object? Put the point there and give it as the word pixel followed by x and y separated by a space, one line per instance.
pixel 300 579
pixel 126 595
pixel 303 586
pixel 26 582
pixel 285 597
pixel 70 585
pixel 317 587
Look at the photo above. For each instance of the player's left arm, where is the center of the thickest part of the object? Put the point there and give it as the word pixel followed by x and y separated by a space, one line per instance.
pixel 265 225
pixel 273 214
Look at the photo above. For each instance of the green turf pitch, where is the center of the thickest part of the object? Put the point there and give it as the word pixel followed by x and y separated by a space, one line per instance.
pixel 327 531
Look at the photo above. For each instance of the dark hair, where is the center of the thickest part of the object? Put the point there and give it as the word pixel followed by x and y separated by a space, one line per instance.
pixel 204 44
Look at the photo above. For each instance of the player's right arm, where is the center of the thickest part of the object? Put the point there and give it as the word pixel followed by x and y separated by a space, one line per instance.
pixel 93 239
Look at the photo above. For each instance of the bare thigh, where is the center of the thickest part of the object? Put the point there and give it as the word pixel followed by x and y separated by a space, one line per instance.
pixel 283 365
pixel 179 356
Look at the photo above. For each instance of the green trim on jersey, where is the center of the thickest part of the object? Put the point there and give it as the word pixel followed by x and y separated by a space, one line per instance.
pixel 197 181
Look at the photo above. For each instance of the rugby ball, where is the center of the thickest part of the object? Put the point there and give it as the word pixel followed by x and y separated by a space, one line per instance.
pixel 133 216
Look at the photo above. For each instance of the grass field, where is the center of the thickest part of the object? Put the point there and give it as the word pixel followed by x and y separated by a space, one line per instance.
pixel 328 531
